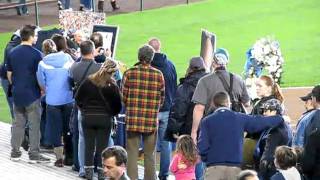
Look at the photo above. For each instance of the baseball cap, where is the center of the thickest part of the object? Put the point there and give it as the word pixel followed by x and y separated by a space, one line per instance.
pixel 221 56
pixel 273 105
pixel 306 97
pixel 196 63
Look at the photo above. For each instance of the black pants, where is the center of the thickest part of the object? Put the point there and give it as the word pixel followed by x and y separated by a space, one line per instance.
pixel 96 132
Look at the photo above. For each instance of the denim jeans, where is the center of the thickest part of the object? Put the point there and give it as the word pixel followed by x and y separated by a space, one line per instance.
pixel 165 146
pixel 5 86
pixel 22 9
pixel 31 112
pixel 200 167
pixel 86 3
pixel 58 118
pixel 81 145
pixel 65 3
pixel 75 137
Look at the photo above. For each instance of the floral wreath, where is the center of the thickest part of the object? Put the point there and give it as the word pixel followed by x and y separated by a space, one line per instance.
pixel 265 53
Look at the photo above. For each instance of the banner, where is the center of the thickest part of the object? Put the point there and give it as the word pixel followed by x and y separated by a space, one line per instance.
pixel 72 21
pixel 208 46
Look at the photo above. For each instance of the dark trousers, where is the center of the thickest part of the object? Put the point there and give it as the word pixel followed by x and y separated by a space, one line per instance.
pixel 96 131
pixel 58 118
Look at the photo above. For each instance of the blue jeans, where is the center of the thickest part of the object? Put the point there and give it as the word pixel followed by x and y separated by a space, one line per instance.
pixel 200 167
pixel 165 146
pixel 58 118
pixel 75 137
pixel 81 145
pixel 65 3
pixel 86 3
pixel 22 9
pixel 5 86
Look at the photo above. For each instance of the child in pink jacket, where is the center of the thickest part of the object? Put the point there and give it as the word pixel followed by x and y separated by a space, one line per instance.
pixel 184 161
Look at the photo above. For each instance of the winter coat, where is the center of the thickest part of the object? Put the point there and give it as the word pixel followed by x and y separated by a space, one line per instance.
pixel 181 112
pixel 162 63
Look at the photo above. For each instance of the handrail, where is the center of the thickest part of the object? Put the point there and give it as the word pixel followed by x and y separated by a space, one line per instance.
pixel 15 4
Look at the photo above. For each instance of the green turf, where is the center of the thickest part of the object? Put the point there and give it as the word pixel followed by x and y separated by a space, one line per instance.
pixel 237 24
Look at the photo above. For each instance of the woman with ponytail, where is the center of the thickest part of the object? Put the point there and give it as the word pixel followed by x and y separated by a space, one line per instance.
pixel 266 89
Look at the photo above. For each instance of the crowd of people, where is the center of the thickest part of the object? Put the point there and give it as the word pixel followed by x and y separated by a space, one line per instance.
pixel 67 97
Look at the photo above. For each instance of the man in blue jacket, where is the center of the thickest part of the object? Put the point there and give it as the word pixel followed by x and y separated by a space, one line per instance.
pixel 162 63
pixel 220 140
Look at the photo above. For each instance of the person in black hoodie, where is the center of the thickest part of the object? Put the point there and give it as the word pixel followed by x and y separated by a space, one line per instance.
pixel 99 100
pixel 181 112
pixel 162 63
pixel 14 41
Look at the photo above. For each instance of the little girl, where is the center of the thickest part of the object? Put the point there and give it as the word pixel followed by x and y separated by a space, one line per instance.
pixel 185 159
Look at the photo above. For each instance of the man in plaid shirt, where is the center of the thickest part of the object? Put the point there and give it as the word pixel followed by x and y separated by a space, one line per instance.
pixel 143 95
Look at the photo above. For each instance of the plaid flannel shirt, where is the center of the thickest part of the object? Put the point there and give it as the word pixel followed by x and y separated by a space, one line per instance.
pixel 143 94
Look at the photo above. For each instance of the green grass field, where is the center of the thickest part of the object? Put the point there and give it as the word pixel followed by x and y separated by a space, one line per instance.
pixel 237 24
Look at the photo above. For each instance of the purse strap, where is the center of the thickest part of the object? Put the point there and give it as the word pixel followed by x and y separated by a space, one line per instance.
pixel 82 78
pixel 104 100
pixel 225 85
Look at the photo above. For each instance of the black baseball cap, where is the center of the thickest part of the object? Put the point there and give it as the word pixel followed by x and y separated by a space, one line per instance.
pixel 306 97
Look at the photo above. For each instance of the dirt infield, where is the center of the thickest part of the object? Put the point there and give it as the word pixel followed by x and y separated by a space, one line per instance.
pixel 48 12
pixel 293 104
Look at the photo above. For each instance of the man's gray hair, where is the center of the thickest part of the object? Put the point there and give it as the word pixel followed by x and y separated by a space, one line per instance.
pixel 146 53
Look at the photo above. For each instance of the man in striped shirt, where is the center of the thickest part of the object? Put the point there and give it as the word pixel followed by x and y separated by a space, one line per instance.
pixel 143 95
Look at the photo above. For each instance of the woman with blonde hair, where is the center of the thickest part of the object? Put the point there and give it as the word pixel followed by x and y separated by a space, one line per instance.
pixel 99 100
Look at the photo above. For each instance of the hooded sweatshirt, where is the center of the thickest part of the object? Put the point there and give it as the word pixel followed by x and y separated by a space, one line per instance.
pixel 52 75
pixel 162 63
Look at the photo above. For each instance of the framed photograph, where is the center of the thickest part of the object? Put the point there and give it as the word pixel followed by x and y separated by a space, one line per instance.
pixel 110 36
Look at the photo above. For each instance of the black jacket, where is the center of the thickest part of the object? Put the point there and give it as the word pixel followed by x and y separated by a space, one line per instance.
pixel 89 99
pixel 281 135
pixel 310 160
pixel 181 112
pixel 14 41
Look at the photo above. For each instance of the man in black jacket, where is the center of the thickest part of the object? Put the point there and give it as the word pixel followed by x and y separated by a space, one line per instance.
pixel 311 156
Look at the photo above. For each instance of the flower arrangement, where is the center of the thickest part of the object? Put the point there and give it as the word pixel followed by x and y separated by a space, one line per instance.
pixel 266 53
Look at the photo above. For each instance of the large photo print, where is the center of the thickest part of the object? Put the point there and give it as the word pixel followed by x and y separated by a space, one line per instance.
pixel 72 21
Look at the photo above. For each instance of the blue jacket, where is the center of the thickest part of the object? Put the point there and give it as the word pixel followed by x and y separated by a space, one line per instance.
pixel 162 63
pixel 299 137
pixel 220 140
pixel 52 75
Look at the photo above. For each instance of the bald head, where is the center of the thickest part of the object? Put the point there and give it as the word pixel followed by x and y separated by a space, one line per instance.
pixel 155 43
